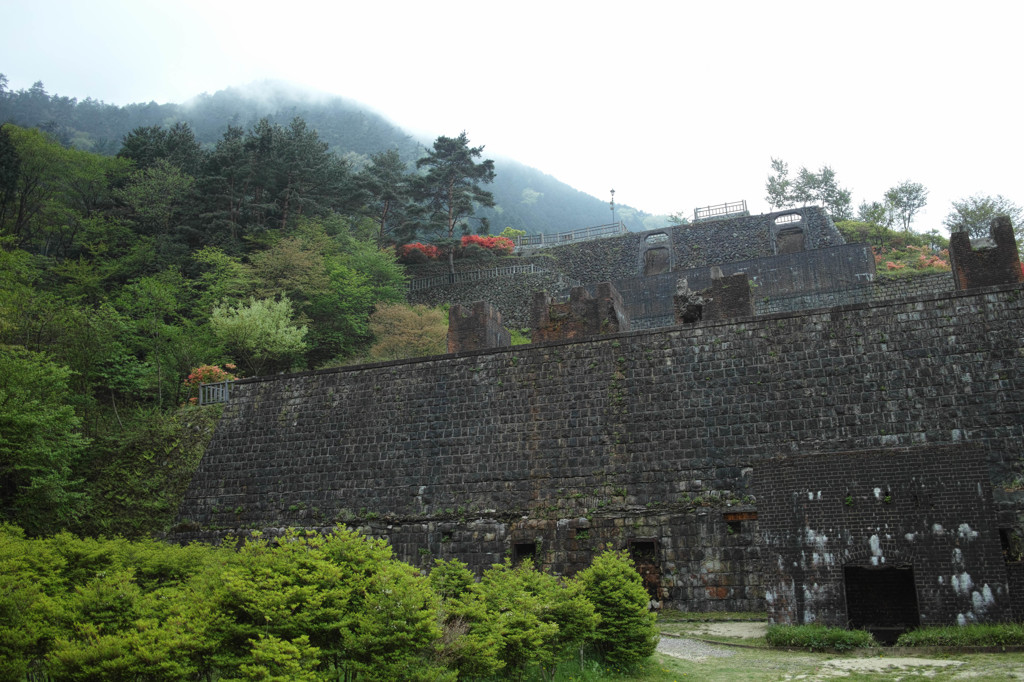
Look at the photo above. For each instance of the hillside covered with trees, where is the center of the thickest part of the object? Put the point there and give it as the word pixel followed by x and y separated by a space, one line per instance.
pixel 525 198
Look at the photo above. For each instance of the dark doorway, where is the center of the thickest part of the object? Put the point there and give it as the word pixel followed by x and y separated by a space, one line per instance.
pixel 790 240
pixel 644 554
pixel 881 600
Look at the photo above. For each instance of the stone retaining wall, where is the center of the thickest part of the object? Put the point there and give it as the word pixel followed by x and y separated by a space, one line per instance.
pixel 648 438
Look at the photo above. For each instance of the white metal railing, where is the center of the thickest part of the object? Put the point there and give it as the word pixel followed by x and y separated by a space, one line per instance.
pixel 720 210
pixel 581 235
pixel 218 392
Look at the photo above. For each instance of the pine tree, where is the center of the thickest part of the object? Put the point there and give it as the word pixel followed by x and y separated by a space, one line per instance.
pixel 450 189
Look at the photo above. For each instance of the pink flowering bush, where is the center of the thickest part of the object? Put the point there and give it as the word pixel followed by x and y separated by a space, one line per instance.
pixel 205 374
pixel 501 246
pixel 417 253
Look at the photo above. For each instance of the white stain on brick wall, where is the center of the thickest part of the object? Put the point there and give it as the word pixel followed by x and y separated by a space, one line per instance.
pixel 965 532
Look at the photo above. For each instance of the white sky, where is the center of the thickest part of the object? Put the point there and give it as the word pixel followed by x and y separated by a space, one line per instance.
pixel 672 104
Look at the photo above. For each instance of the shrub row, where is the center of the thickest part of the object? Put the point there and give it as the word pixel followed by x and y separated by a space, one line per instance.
pixel 996 634
pixel 307 607
pixel 818 637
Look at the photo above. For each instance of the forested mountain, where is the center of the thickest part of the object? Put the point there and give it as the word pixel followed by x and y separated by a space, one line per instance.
pixel 149 248
pixel 525 198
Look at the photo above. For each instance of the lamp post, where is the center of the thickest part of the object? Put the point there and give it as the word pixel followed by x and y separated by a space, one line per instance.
pixel 612 204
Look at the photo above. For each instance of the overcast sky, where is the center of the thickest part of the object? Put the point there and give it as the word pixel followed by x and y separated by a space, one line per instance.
pixel 673 104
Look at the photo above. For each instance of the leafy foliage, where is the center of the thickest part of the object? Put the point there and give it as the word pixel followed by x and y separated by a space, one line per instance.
pixel 261 333
pixel 450 189
pixel 407 331
pixel 305 607
pixel 820 188
pixel 905 200
pixel 974 215
pixel 39 442
pixel 626 634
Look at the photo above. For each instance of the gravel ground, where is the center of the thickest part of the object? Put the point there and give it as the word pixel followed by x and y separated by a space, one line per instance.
pixel 691 649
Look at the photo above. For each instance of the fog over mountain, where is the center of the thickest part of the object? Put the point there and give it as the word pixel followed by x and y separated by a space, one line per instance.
pixel 526 198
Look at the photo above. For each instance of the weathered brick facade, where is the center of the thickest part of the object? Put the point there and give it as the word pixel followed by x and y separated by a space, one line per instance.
pixel 582 315
pixel 925 511
pixel 476 328
pixel 986 262
pixel 663 441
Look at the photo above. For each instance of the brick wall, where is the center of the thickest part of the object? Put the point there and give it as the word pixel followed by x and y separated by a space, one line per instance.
pixel 640 434
pixel 926 509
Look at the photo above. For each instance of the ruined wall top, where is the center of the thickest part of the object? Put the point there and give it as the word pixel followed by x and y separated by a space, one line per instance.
pixel 986 261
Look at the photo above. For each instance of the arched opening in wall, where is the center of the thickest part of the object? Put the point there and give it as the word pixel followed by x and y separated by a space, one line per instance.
pixel 881 600
pixel 644 553
pixel 656 261
pixel 657 256
pixel 789 233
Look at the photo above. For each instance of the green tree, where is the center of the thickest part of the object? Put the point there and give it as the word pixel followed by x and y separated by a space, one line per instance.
pixel 974 215
pixel 809 187
pixel 177 146
pixel 450 189
pixel 876 213
pixel 259 333
pixel 906 201
pixel 56 189
pixel 387 187
pixel 10 170
pixel 627 633
pixel 40 443
pixel 779 186
pixel 407 331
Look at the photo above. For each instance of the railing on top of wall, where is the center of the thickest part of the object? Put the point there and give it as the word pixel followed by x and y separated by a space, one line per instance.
pixel 581 235
pixel 720 211
pixel 471 276
pixel 218 392
pixel 476 275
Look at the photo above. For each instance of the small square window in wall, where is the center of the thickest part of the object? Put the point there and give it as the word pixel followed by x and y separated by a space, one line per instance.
pixel 524 550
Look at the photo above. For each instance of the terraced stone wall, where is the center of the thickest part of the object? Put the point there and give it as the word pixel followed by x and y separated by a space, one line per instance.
pixel 646 439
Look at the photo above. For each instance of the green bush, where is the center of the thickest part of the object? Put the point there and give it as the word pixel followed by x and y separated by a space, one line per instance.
pixel 626 634
pixel 996 634
pixel 818 637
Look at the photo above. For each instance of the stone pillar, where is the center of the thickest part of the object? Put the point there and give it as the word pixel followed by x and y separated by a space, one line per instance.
pixel 476 328
pixel 987 261
pixel 728 297
pixel 584 315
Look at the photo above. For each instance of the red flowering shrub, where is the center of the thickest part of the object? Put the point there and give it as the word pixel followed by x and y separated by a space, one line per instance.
pixel 417 253
pixel 205 374
pixel 502 246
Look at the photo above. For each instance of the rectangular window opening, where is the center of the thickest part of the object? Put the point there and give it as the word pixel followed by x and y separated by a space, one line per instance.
pixel 524 550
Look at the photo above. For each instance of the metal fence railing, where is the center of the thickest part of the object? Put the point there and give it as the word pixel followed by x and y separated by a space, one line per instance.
pixel 218 392
pixel 720 210
pixel 471 276
pixel 581 235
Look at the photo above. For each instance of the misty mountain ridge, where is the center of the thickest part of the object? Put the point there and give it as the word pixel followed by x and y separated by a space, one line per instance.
pixel 525 198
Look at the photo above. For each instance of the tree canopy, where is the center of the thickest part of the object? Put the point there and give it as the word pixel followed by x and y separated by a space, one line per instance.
pixel 974 215
pixel 807 188
pixel 450 189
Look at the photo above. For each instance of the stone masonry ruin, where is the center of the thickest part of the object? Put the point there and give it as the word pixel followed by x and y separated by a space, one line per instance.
pixel 800 462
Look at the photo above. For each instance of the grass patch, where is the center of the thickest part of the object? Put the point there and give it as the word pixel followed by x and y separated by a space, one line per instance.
pixel 657 668
pixel 996 634
pixel 672 616
pixel 818 638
